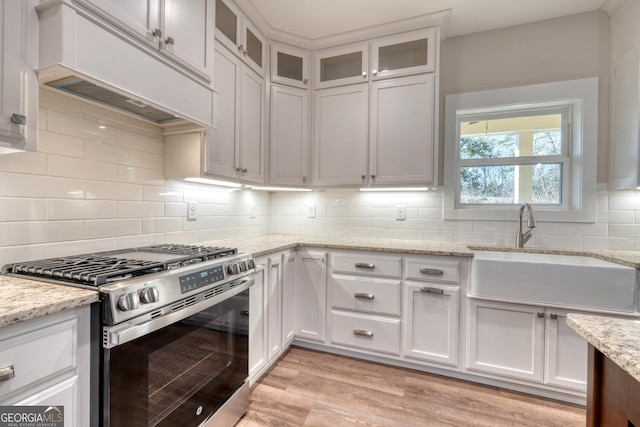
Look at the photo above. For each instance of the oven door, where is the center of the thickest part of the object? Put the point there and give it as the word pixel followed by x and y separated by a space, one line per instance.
pixel 181 374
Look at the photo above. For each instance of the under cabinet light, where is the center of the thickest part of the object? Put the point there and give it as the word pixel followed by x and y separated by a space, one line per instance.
pixel 278 188
pixel 214 182
pixel 398 189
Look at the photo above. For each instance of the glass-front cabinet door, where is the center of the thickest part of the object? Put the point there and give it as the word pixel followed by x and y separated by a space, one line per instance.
pixel 228 25
pixel 253 47
pixel 342 66
pixel 404 54
pixel 238 34
pixel 289 65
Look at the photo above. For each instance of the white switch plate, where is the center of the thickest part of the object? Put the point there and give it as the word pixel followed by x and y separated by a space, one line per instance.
pixel 252 211
pixel 401 212
pixel 311 211
pixel 192 210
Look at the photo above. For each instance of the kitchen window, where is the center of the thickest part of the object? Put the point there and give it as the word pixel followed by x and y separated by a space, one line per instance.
pixel 530 144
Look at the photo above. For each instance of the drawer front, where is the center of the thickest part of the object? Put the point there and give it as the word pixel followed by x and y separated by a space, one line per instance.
pixel 368 264
pixel 38 355
pixel 365 294
pixel 433 270
pixel 366 332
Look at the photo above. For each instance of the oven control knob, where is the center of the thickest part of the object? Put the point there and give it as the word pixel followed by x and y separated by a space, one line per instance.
pixel 232 269
pixel 243 266
pixel 251 263
pixel 129 301
pixel 149 295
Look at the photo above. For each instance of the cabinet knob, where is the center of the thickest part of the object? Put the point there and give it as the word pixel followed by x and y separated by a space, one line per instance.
pixel 157 33
pixel 540 314
pixel 7 373
pixel 364 75
pixel 305 81
pixel 374 72
pixel 373 177
pixel 245 170
pixel 169 41
pixel 305 179
pixel 363 176
pixel 553 316
pixel 18 119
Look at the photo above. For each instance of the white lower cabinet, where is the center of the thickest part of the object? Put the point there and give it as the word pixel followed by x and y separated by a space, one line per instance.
pixel 50 359
pixel 431 322
pixel 258 298
pixel 526 342
pixel 288 299
pixel 373 333
pixel 310 295
pixel 274 312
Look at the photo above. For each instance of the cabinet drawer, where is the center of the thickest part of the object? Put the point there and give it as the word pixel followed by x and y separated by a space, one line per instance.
pixel 38 355
pixel 368 264
pixel 366 332
pixel 433 270
pixel 366 294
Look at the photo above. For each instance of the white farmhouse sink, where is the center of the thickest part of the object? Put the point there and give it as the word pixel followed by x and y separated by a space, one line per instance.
pixel 575 281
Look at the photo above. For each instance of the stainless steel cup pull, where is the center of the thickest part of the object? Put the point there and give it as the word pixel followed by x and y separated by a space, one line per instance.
pixel 362 333
pixel 7 373
pixel 365 265
pixel 432 271
pixel 429 290
pixel 362 295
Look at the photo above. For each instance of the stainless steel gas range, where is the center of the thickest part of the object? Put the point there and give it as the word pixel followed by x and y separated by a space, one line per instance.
pixel 169 336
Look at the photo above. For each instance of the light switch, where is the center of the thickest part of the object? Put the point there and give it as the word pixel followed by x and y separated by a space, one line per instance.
pixel 192 210
pixel 252 211
pixel 311 211
pixel 401 212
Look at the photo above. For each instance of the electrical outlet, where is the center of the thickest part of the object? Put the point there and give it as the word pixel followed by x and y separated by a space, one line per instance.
pixel 401 212
pixel 311 211
pixel 192 210
pixel 252 211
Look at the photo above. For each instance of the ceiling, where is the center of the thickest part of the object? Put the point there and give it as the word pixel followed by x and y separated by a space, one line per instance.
pixel 314 19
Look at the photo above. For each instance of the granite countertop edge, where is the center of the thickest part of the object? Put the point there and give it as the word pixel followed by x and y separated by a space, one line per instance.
pixel 43 298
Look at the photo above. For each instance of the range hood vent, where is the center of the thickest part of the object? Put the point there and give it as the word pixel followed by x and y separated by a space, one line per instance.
pixel 93 92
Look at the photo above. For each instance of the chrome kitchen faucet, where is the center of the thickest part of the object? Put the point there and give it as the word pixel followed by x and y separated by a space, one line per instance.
pixel 521 238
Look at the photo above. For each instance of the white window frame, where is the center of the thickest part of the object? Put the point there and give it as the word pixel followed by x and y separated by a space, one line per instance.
pixel 580 97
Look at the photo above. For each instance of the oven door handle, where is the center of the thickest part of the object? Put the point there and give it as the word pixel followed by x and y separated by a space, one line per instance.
pixel 129 331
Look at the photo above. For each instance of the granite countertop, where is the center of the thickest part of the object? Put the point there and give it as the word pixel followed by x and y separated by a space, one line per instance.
pixel 618 339
pixel 22 299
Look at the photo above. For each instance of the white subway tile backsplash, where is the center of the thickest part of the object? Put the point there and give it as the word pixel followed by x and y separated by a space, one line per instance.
pixel 435 236
pixel 63 145
pixel 60 249
pixel 137 175
pixel 112 154
pixel 161 225
pixel 140 240
pixel 100 228
pixel 80 168
pixel 21 185
pixel 182 237
pixel 449 225
pixel 140 142
pixel 556 241
pixel 175 209
pixel 28 233
pixel 67 124
pixel 24 162
pixel 13 209
pixel 80 209
pixel 625 200
pixel 613 243
pixel 11 254
pixel 104 190
pixel 624 230
pixel 127 209
pixel 473 237
pixel 153 161
pixel 162 194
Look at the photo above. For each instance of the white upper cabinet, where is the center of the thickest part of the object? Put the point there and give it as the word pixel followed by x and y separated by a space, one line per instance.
pixel 341 66
pixel 182 31
pixel 403 54
pixel 238 34
pixel 341 128
pixel 18 85
pixel 289 136
pixel 402 145
pixel 289 65
pixel 624 172
pixel 236 148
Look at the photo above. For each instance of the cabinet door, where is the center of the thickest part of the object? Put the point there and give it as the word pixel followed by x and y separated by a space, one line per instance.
pixel 258 322
pixel 188 34
pixel 506 339
pixel 566 353
pixel 18 82
pixel 251 126
pixel 228 25
pixel 65 394
pixel 289 140
pixel 431 323
pixel 222 143
pixel 275 306
pixel 139 18
pixel 402 148
pixel 341 66
pixel 404 54
pixel 288 299
pixel 289 65
pixel 253 46
pixel 310 295
pixel 341 135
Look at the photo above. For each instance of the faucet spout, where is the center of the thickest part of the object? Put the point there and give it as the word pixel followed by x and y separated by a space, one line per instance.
pixel 522 238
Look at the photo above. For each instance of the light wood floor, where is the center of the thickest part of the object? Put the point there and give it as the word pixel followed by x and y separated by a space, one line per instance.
pixel 310 388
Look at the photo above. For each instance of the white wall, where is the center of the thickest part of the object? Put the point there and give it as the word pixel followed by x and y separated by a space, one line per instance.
pixel 353 213
pixel 97 183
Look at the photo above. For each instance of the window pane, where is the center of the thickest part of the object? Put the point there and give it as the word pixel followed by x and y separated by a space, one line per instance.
pixel 541 183
pixel 530 135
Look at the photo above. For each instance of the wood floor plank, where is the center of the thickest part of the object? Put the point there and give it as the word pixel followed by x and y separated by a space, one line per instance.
pixel 315 389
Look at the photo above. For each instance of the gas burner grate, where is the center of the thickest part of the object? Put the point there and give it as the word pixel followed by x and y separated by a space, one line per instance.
pixel 209 252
